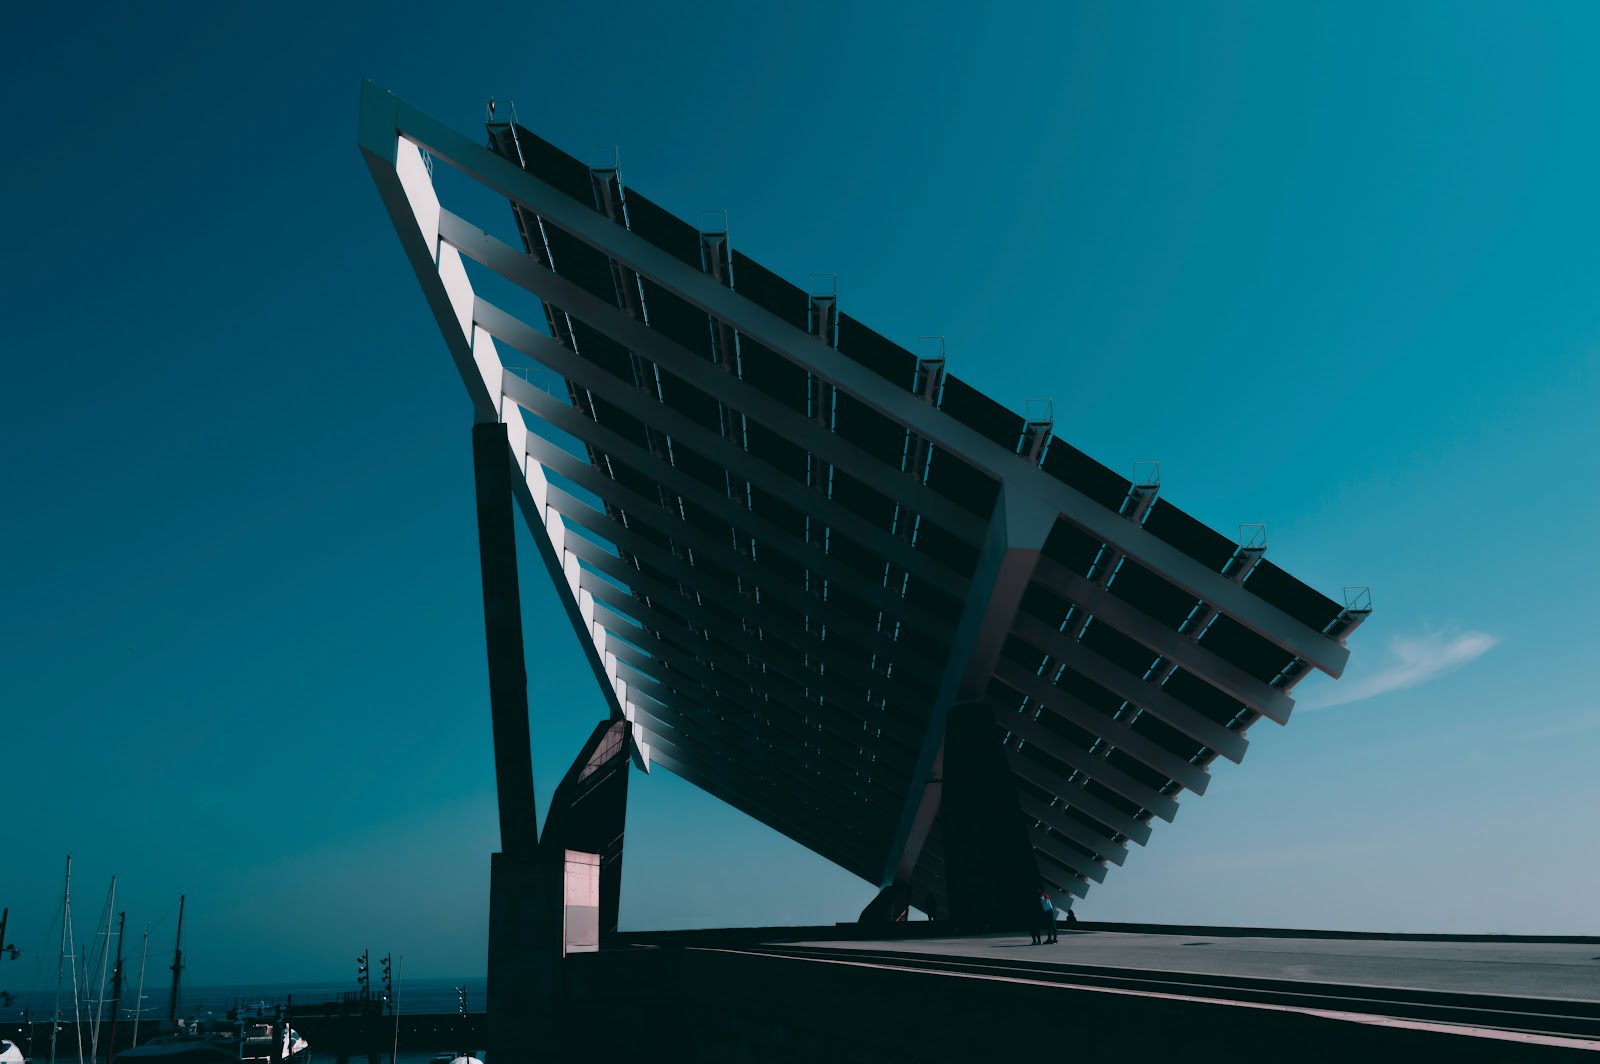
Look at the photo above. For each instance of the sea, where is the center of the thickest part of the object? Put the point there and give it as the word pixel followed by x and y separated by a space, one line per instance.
pixel 415 996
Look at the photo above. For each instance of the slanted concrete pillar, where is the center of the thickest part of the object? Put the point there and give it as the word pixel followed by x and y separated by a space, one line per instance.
pixel 502 625
pixel 524 899
pixel 889 907
pixel 588 812
pixel 528 904
pixel 990 870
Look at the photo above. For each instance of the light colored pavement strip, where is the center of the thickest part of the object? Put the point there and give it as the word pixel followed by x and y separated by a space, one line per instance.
pixel 1560 971
pixel 1332 1014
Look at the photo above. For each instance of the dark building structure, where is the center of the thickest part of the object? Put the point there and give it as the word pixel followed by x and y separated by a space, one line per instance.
pixel 818 574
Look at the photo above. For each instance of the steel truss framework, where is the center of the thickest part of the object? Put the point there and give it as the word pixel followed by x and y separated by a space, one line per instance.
pixel 790 545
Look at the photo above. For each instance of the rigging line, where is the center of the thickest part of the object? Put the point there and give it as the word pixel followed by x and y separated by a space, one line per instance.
pixel 157 925
pixel 42 951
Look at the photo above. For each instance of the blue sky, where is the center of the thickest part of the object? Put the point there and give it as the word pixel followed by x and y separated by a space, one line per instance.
pixel 1333 268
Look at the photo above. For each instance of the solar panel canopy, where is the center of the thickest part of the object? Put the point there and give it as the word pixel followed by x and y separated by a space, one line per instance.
pixel 790 544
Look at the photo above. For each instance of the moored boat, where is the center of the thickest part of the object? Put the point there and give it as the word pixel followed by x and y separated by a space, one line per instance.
pixel 253 1040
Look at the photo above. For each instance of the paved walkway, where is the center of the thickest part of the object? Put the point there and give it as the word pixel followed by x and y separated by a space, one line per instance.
pixel 1520 969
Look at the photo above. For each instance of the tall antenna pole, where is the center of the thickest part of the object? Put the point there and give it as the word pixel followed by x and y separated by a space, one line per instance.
pixel 177 970
pixel 61 958
pixel 138 1005
pixel 116 988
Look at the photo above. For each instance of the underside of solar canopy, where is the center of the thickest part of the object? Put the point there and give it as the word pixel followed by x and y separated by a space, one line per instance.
pixel 789 545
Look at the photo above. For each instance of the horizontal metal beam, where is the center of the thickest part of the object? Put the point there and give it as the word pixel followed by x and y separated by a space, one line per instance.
pixel 787 794
pixel 689 625
pixel 769 651
pixel 909 410
pixel 733 391
pixel 850 750
pixel 738 789
pixel 684 430
pixel 846 743
pixel 1116 732
pixel 1091 765
pixel 562 462
pixel 1124 684
pixel 831 848
pixel 804 742
pixel 1146 630
pixel 1056 816
pixel 1075 796
pixel 758 701
pixel 1073 885
pixel 1070 859
pixel 568 466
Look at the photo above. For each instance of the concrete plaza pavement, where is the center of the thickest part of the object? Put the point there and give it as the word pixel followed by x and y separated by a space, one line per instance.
pixel 1554 970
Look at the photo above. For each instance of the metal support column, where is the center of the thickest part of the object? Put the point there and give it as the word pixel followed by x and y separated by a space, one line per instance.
pixel 524 900
pixel 990 869
pixel 502 625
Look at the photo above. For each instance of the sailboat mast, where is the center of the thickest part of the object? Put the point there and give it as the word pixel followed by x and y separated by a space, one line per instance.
pixel 116 988
pixel 138 1004
pixel 177 970
pixel 72 947
pixel 100 983
pixel 399 972
pixel 61 958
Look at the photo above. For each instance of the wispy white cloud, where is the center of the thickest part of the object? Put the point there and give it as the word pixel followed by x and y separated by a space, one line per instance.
pixel 1413 661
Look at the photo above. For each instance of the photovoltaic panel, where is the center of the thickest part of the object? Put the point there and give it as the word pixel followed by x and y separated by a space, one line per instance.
pixel 767 290
pixel 941 545
pixel 664 229
pixel 962 484
pixel 1072 547
pixel 594 346
pixel 882 356
pixel 856 496
pixel 690 401
pixel 1152 594
pixel 1171 525
pixel 1068 732
pixel 1201 696
pixel 1166 736
pixel 1303 603
pixel 978 412
pixel 1077 470
pixel 555 167
pixel 1132 766
pixel 1238 645
pixel 778 452
pixel 774 375
pixel 866 428
pixel 1087 691
pixel 677 319
pixel 1127 654
pixel 581 264
pixel 1111 798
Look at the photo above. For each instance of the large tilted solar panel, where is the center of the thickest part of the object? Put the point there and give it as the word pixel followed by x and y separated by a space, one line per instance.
pixel 791 543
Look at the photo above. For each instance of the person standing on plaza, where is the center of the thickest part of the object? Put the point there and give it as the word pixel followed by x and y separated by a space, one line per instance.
pixel 1047 916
